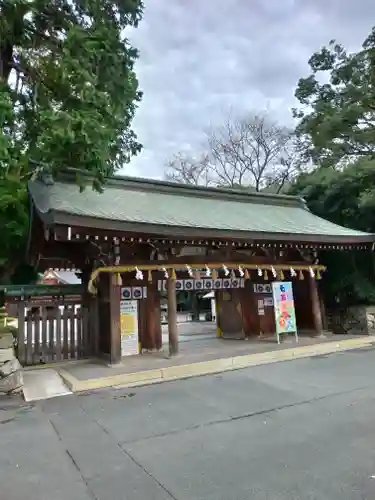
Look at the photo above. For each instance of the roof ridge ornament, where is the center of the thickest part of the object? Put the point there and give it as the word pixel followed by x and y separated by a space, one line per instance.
pixel 41 172
pixel 46 177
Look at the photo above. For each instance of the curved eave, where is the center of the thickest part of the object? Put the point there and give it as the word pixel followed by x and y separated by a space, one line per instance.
pixel 159 230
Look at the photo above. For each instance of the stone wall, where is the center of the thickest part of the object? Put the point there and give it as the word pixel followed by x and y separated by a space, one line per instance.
pixel 355 320
pixel 11 376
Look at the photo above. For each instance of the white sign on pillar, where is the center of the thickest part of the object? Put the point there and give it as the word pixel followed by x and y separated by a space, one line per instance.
pixel 129 327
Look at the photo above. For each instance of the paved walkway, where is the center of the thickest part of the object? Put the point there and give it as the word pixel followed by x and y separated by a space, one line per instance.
pixel 194 351
pixel 302 430
pixel 191 331
pixel 43 384
pixel 200 357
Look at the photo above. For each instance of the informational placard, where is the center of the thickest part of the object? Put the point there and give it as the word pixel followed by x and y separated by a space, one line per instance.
pixel 260 307
pixel 268 302
pixel 129 327
pixel 285 316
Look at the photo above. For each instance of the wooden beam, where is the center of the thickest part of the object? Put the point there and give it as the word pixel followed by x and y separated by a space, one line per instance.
pixel 72 231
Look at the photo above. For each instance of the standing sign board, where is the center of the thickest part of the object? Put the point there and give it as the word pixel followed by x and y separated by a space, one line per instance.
pixel 285 316
pixel 129 327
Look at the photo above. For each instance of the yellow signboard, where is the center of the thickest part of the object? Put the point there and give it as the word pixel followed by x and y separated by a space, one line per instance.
pixel 129 327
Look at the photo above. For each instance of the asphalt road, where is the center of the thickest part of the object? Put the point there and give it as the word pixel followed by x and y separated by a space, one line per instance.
pixel 303 429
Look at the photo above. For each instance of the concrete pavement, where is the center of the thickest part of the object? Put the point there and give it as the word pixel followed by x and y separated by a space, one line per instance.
pixel 297 430
pixel 213 356
pixel 191 331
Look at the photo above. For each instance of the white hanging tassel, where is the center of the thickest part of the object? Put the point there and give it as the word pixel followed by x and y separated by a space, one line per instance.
pixel 190 271
pixel 138 274
pixel 292 272
pixel 260 272
pixel 241 271
pixel 208 272
pixel 166 275
pixel 273 271
pixel 226 270
pixel 311 271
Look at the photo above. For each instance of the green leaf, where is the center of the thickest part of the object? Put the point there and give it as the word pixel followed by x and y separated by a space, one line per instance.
pixel 69 102
pixel 345 197
pixel 337 118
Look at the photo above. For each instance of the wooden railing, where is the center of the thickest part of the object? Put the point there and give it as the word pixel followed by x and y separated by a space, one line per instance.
pixel 52 332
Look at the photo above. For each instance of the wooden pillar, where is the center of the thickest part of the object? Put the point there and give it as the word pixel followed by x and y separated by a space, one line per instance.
pixel 104 318
pixel 315 305
pixel 172 317
pixel 90 326
pixel 115 331
pixel 151 336
pixel 323 313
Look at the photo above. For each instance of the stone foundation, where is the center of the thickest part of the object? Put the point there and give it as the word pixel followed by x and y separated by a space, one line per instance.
pixel 355 320
pixel 11 376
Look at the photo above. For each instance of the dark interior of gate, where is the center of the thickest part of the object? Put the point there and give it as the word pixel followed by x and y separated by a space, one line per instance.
pixel 134 253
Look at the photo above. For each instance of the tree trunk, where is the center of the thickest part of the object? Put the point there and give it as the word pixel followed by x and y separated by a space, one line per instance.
pixel 7 272
pixel 6 58
pixel 14 15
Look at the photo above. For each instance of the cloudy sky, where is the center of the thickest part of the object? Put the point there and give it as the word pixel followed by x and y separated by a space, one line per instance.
pixel 200 59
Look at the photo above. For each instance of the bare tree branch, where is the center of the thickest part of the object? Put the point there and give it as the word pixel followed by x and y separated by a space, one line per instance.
pixel 249 152
pixel 254 151
pixel 187 170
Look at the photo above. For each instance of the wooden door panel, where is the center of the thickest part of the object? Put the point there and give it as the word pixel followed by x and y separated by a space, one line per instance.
pixel 230 314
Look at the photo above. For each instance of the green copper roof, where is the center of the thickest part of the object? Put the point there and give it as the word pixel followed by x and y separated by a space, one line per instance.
pixel 162 208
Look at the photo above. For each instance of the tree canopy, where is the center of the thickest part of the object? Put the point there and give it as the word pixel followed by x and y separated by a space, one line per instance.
pixel 337 131
pixel 345 197
pixel 68 94
pixel 337 113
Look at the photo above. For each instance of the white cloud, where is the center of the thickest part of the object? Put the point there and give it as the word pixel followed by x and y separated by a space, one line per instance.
pixel 198 59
